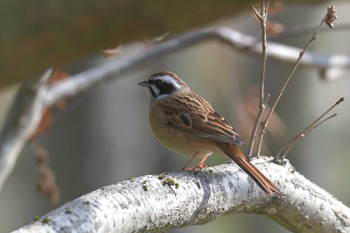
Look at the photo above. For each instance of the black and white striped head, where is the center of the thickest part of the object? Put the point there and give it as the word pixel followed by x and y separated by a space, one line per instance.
pixel 163 84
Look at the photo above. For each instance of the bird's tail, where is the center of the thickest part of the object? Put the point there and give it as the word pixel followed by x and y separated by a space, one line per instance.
pixel 237 156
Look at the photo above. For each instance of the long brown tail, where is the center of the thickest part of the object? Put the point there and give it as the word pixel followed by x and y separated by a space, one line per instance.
pixel 236 155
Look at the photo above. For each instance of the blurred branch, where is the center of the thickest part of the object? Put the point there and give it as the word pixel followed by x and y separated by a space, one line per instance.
pixel 15 137
pixel 306 29
pixel 186 198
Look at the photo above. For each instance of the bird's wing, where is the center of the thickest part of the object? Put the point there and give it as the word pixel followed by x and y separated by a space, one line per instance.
pixel 191 113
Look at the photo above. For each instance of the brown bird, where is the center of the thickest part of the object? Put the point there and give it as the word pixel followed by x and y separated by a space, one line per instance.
pixel 186 123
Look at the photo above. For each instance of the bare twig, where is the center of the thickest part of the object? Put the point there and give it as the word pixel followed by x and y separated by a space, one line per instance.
pixel 262 132
pixel 282 153
pixel 14 137
pixel 329 17
pixel 262 16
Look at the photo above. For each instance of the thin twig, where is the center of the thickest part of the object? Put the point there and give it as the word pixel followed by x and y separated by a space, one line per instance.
pixel 282 153
pixel 326 112
pixel 262 18
pixel 301 54
pixel 261 128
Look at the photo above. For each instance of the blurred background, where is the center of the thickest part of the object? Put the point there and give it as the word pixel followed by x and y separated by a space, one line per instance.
pixel 103 136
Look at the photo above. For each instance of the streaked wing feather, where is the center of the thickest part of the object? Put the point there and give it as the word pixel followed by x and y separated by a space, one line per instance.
pixel 197 117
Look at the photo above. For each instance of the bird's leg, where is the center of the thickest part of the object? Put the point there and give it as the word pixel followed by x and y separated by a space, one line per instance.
pixel 185 167
pixel 199 166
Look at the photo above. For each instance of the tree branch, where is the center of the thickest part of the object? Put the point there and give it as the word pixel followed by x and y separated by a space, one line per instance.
pixel 172 200
pixel 15 137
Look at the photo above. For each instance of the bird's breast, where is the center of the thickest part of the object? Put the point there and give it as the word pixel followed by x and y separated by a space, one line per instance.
pixel 178 140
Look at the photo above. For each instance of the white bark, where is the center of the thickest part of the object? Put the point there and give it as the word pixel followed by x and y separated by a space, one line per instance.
pixel 149 204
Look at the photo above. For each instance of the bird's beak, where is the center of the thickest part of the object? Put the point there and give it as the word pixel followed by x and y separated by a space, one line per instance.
pixel 144 83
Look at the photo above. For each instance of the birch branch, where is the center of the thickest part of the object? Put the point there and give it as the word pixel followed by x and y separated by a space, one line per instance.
pixel 17 136
pixel 157 203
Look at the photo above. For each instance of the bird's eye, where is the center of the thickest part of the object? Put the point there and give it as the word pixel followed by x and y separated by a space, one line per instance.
pixel 159 83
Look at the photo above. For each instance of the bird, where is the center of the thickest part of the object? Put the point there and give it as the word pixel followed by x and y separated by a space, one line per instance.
pixel 186 123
